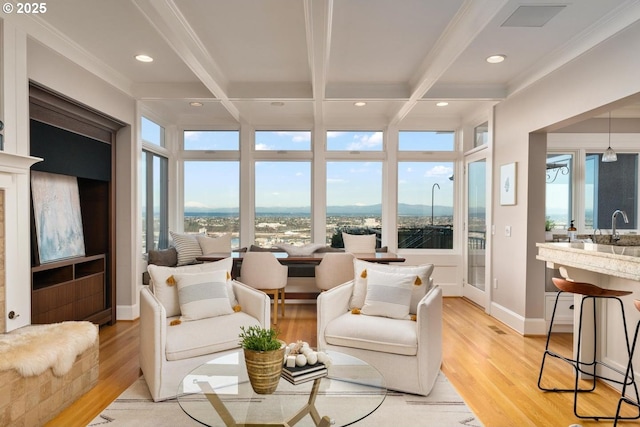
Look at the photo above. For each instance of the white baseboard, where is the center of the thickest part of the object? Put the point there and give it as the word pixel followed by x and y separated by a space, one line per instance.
pixel 127 312
pixel 520 324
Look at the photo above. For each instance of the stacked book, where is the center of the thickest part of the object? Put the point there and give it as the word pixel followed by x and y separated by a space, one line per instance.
pixel 300 374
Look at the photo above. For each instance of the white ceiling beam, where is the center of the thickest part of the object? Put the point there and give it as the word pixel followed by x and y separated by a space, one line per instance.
pixel 471 19
pixel 318 22
pixel 171 24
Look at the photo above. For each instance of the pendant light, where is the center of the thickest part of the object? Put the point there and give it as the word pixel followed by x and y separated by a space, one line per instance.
pixel 609 155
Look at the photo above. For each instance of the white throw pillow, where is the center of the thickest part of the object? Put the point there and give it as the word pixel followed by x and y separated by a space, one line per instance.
pixel 202 295
pixel 213 245
pixel 388 294
pixel 304 250
pixel 187 246
pixel 167 293
pixel 362 268
pixel 359 244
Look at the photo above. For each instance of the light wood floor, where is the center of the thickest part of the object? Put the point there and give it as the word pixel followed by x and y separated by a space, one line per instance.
pixel 493 368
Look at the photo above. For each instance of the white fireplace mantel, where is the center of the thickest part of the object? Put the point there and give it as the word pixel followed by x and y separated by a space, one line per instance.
pixel 14 181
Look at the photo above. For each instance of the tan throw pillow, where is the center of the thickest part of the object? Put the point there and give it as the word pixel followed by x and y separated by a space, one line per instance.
pixel 202 295
pixel 362 268
pixel 359 244
pixel 167 293
pixel 187 246
pixel 213 245
pixel 388 294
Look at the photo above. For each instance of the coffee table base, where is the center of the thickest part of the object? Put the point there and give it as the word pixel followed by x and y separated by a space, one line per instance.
pixel 308 409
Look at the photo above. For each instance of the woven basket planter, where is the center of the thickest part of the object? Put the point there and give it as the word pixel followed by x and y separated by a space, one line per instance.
pixel 264 369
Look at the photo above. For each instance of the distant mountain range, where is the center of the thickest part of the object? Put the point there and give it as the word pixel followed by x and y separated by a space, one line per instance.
pixel 348 210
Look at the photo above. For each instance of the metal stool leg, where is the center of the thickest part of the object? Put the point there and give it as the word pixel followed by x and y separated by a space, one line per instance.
pixel 591 367
pixel 629 374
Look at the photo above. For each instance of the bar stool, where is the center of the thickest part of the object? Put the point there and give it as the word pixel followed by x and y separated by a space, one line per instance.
pixel 590 368
pixel 629 374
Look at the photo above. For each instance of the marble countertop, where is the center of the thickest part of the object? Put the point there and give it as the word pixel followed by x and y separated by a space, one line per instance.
pixel 619 261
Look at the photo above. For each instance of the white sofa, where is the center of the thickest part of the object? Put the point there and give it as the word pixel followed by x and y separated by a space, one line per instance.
pixel 168 353
pixel 407 353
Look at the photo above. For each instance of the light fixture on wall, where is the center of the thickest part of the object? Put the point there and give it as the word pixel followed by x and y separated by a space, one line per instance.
pixel 609 155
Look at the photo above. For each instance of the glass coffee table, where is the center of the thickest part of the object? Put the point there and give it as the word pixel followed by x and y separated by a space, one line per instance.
pixel 218 393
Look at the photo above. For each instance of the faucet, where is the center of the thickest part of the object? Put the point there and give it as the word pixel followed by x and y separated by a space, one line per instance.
pixel 615 236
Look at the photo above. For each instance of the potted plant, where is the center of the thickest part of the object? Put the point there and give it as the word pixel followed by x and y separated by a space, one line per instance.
pixel 548 226
pixel 264 356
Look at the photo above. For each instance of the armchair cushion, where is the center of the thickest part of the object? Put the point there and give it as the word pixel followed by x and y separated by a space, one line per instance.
pixel 388 294
pixel 363 268
pixel 373 333
pixel 203 295
pixel 303 250
pixel 167 294
pixel 192 339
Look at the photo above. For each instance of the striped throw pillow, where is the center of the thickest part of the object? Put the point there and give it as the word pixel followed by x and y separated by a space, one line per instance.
pixel 202 295
pixel 187 246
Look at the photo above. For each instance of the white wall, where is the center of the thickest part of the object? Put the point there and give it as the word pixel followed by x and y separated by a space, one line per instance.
pixel 604 74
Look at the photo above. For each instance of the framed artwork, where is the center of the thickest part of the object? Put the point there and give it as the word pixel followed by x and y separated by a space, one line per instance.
pixel 508 184
pixel 58 220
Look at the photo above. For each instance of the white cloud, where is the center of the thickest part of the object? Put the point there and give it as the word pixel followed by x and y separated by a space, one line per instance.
pixel 297 136
pixel 191 135
pixel 334 134
pixel 335 180
pixel 260 146
pixel 366 141
pixel 439 171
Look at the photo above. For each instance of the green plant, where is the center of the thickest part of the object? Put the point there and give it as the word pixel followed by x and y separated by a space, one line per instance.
pixel 549 224
pixel 257 338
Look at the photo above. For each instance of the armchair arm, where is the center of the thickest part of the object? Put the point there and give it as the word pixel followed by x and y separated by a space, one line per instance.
pixel 429 324
pixel 153 335
pixel 331 304
pixel 253 302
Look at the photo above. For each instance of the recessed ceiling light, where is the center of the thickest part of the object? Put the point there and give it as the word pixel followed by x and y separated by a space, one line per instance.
pixel 277 104
pixel 442 104
pixel 144 58
pixel 496 59
pixel 196 104
pixel 360 104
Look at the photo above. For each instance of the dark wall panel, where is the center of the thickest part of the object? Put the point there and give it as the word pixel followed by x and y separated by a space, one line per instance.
pixel 68 153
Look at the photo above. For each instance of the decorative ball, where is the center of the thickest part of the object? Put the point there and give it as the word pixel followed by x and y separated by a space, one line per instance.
pixel 301 360
pixel 312 358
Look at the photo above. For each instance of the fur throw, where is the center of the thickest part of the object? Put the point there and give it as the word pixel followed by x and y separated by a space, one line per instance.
pixel 33 349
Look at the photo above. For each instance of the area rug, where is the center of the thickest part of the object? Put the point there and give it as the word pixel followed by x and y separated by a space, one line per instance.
pixel 442 408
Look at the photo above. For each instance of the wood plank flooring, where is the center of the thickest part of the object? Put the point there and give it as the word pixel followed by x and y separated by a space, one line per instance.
pixel 493 368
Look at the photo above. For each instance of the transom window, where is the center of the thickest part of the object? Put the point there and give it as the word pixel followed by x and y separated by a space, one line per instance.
pixel 354 141
pixel 283 140
pixel 426 141
pixel 214 140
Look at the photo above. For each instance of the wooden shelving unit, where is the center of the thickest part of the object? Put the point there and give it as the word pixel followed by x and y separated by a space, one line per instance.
pixel 76 141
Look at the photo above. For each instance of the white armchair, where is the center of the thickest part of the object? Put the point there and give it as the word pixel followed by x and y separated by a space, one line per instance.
pixel 168 353
pixel 407 353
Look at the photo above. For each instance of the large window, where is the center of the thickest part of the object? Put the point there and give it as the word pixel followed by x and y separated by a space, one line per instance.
pixel 354 199
pixel 153 180
pixel 282 202
pixel 559 191
pixel 211 198
pixel 611 186
pixel 153 187
pixel 425 205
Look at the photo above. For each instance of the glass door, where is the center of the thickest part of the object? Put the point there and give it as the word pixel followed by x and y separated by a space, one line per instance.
pixel 476 231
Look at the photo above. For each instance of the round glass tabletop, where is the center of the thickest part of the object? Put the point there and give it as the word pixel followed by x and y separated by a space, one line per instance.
pixel 219 393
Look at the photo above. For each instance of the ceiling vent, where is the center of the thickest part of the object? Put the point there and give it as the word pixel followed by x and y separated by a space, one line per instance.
pixel 532 16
